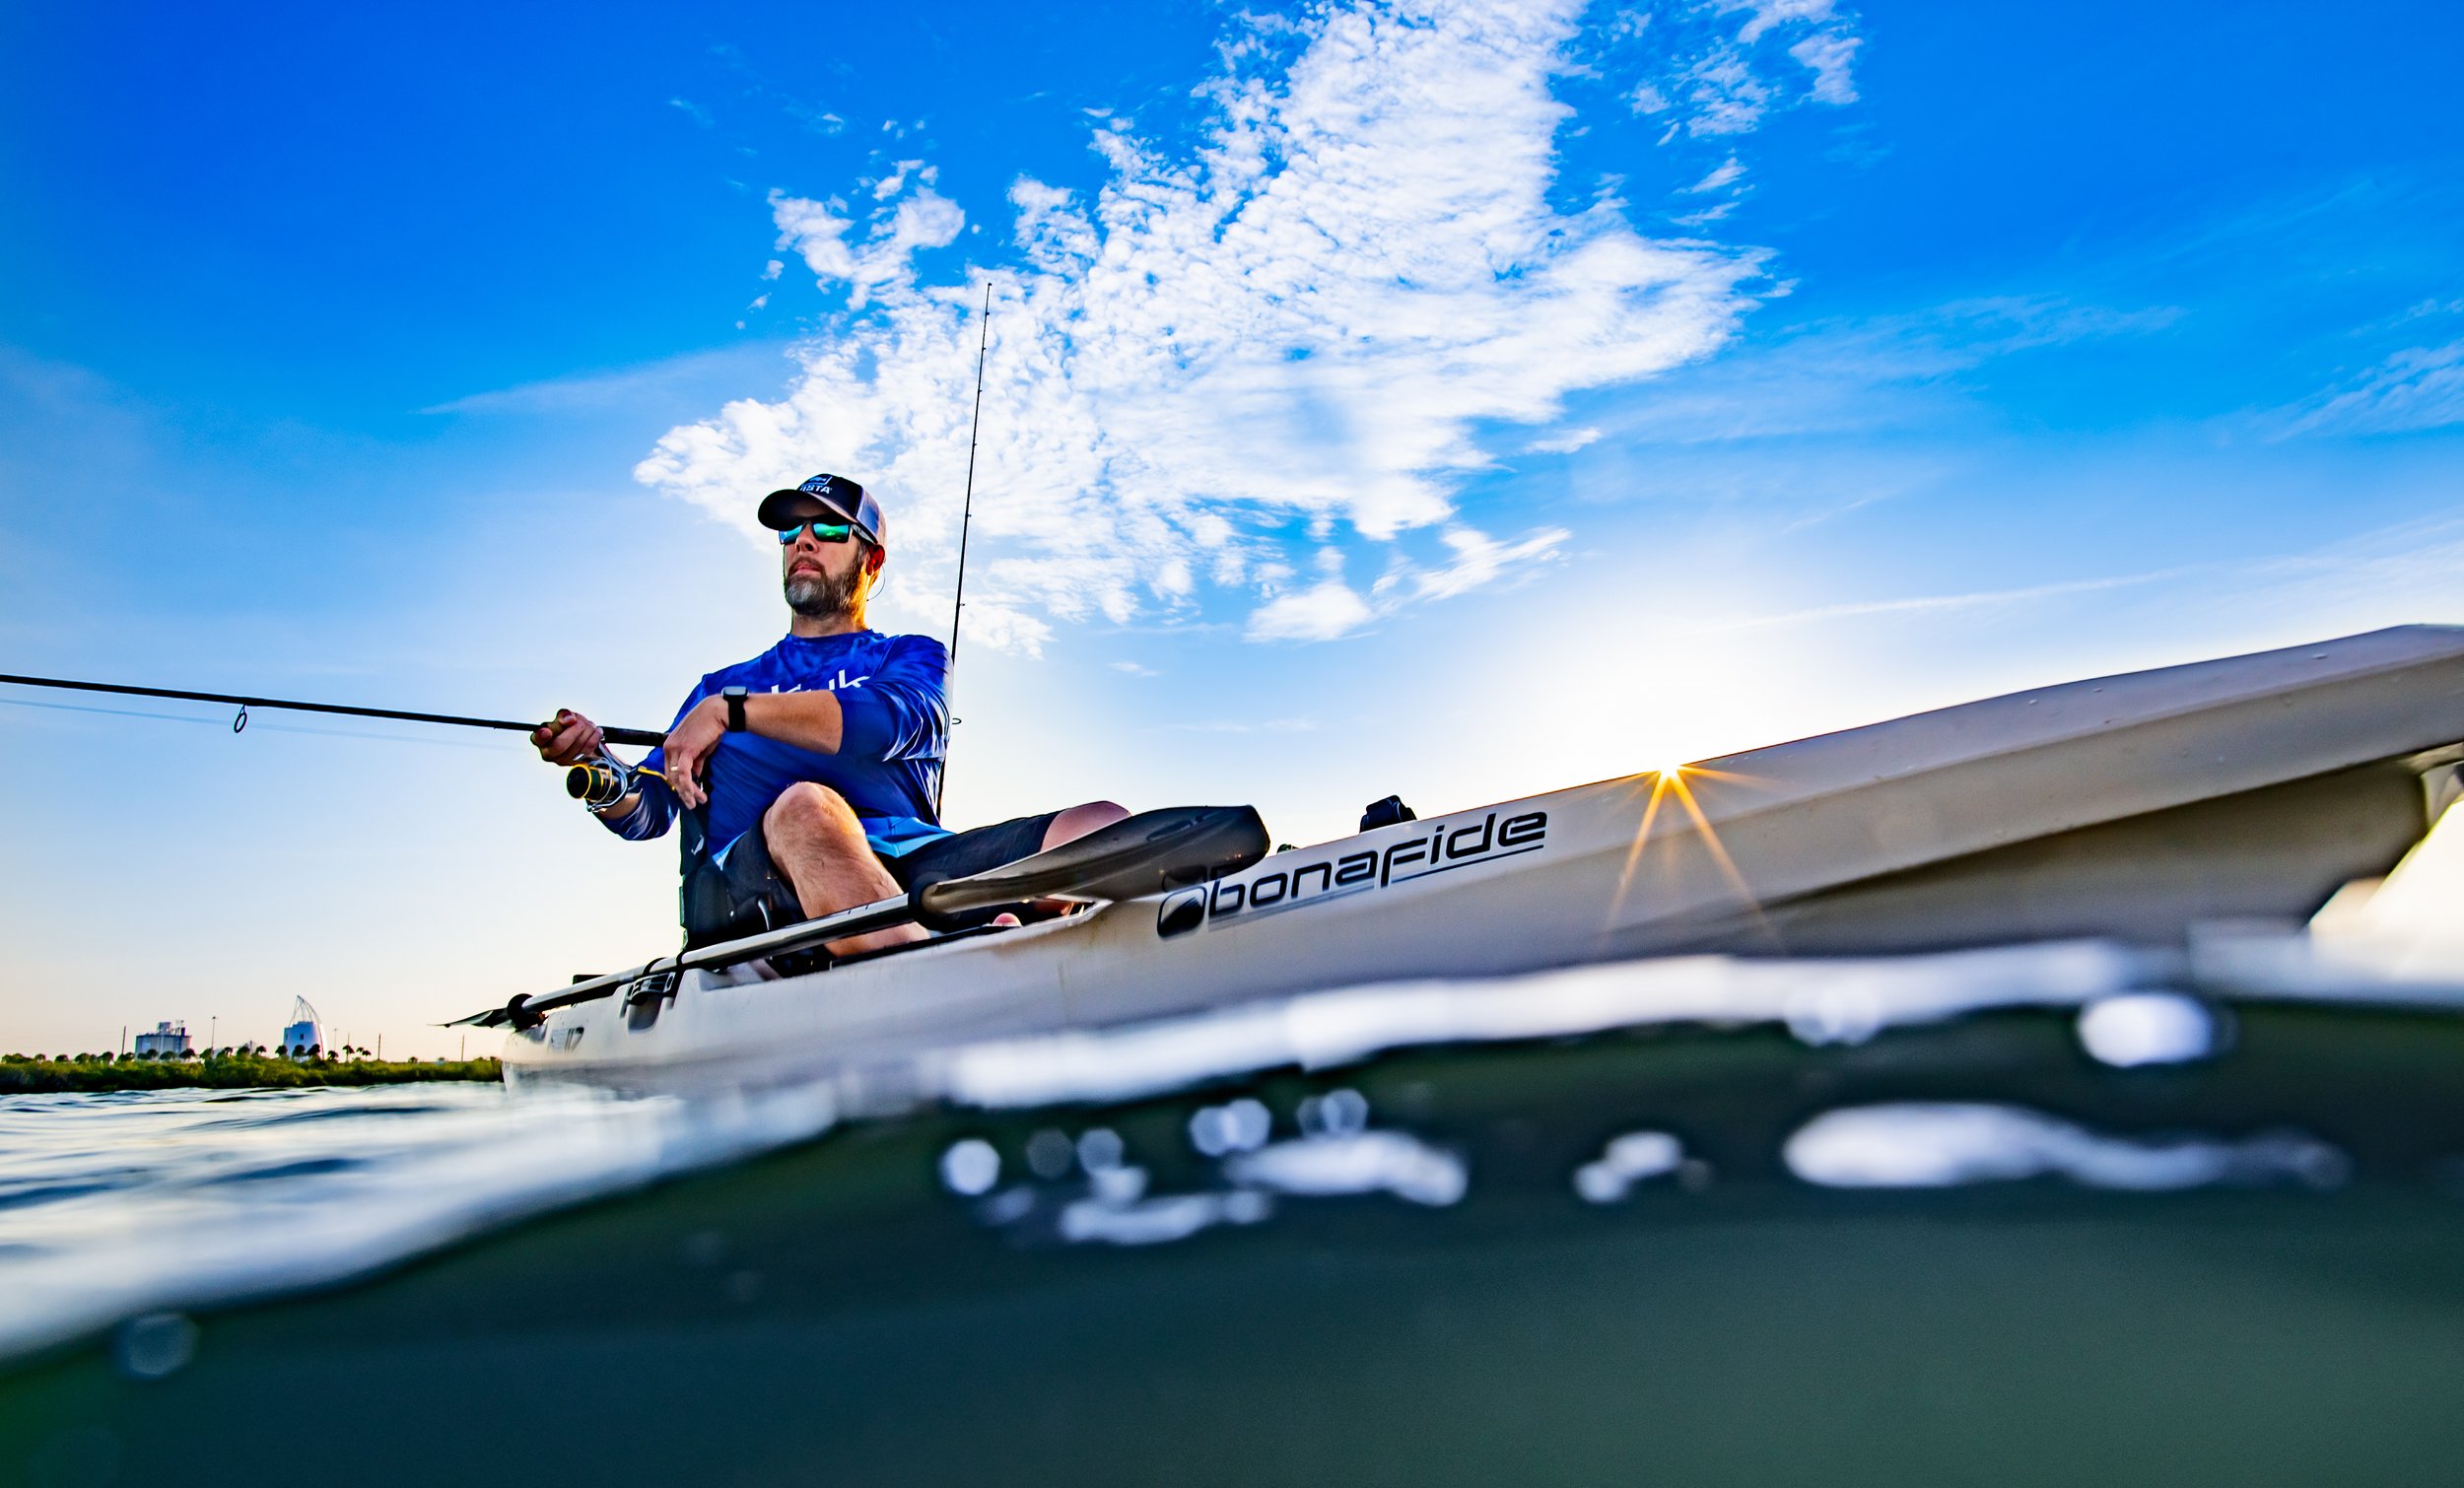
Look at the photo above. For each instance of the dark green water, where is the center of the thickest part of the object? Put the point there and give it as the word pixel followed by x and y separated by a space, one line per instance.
pixel 833 1313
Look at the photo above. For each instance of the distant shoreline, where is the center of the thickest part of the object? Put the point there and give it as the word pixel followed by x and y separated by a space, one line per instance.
pixel 35 1074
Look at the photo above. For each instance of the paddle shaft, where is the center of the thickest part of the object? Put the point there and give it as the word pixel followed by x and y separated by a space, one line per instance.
pixel 636 736
pixel 1141 854
pixel 802 935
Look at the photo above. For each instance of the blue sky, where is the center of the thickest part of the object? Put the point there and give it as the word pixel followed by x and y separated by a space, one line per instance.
pixel 1455 398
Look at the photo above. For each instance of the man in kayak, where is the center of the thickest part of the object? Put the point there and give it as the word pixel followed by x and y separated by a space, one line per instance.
pixel 806 776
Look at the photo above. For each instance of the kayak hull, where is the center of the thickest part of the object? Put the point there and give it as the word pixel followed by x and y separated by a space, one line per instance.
pixel 2132 808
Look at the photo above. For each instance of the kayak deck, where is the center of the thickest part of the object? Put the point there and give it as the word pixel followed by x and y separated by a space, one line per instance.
pixel 2132 807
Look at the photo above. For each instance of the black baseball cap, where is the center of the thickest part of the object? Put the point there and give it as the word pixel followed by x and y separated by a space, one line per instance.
pixel 835 492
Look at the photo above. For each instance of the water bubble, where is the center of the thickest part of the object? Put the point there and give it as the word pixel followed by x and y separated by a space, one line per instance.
pixel 1117 1185
pixel 2146 1028
pixel 1050 1153
pixel 1366 1162
pixel 1934 1145
pixel 1100 1148
pixel 1242 1125
pixel 1828 1014
pixel 1337 1112
pixel 153 1345
pixel 1643 1154
pixel 971 1166
pixel 1246 1206
pixel 1598 1183
pixel 1628 1160
pixel 1008 1207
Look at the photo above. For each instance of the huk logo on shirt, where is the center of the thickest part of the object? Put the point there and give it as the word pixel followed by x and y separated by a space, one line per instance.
pixel 831 683
pixel 1439 847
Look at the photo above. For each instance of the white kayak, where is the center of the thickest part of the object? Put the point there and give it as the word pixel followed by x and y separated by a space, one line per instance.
pixel 2132 808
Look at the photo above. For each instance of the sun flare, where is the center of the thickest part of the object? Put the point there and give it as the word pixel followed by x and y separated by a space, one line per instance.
pixel 1669 781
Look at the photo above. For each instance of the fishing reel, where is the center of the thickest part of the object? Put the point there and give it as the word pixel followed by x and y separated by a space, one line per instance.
pixel 599 782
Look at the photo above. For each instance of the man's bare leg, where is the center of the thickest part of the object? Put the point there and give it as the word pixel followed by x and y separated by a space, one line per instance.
pixel 1068 827
pixel 817 843
pixel 1078 821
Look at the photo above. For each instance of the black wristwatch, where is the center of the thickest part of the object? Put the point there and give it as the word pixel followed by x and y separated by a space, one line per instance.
pixel 735 708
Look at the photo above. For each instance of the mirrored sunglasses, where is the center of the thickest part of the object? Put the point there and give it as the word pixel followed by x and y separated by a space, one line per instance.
pixel 823 532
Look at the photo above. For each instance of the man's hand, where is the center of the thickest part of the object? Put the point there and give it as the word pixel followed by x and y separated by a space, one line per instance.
pixel 688 750
pixel 569 740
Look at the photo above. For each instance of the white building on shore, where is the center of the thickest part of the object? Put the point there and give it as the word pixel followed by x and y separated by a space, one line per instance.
pixel 305 1030
pixel 168 1041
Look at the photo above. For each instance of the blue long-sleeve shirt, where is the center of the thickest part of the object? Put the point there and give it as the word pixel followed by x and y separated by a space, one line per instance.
pixel 892 702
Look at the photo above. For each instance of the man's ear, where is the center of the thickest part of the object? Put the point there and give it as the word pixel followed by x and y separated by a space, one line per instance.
pixel 874 560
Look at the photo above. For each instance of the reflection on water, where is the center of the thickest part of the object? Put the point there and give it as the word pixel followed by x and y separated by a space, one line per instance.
pixel 1628 1160
pixel 1820 1002
pixel 1527 1230
pixel 112 1206
pixel 1934 1146
pixel 1365 1161
pixel 1089 1190
pixel 2147 1028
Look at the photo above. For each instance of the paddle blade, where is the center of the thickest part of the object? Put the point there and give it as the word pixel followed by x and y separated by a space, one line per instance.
pixel 1144 854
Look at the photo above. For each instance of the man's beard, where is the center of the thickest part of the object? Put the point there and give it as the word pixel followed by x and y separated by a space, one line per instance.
pixel 817 596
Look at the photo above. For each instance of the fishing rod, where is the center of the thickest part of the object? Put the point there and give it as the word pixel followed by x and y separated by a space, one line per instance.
pixel 639 736
pixel 966 519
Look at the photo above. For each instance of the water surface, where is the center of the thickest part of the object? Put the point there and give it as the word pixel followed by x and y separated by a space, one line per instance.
pixel 2040 1215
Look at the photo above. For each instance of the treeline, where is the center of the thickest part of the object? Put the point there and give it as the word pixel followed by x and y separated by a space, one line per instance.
pixel 243 1067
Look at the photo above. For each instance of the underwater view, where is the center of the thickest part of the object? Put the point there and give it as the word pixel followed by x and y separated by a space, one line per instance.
pixel 2034 1214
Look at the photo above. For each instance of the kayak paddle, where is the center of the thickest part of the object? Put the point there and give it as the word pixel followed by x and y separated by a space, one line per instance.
pixel 1142 855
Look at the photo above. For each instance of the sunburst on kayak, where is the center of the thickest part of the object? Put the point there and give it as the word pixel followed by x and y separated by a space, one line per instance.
pixel 1668 781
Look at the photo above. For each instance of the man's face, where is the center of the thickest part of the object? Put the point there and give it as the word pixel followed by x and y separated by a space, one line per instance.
pixel 822 579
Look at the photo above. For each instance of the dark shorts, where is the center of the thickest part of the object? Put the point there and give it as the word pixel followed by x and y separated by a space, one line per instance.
pixel 745 893
pixel 975 851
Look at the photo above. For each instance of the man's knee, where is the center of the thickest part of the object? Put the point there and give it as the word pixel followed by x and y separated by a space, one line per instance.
pixel 807 807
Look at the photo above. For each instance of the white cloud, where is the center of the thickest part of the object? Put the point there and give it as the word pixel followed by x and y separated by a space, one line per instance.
pixel 924 218
pixel 1766 14
pixel 1303 320
pixel 1565 443
pixel 1322 612
pixel 2420 388
pixel 1715 83
pixel 1724 175
pixel 1706 216
pixel 814 232
pixel 678 381
pixel 1331 609
pixel 1478 561
pixel 1729 96
pixel 1829 54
